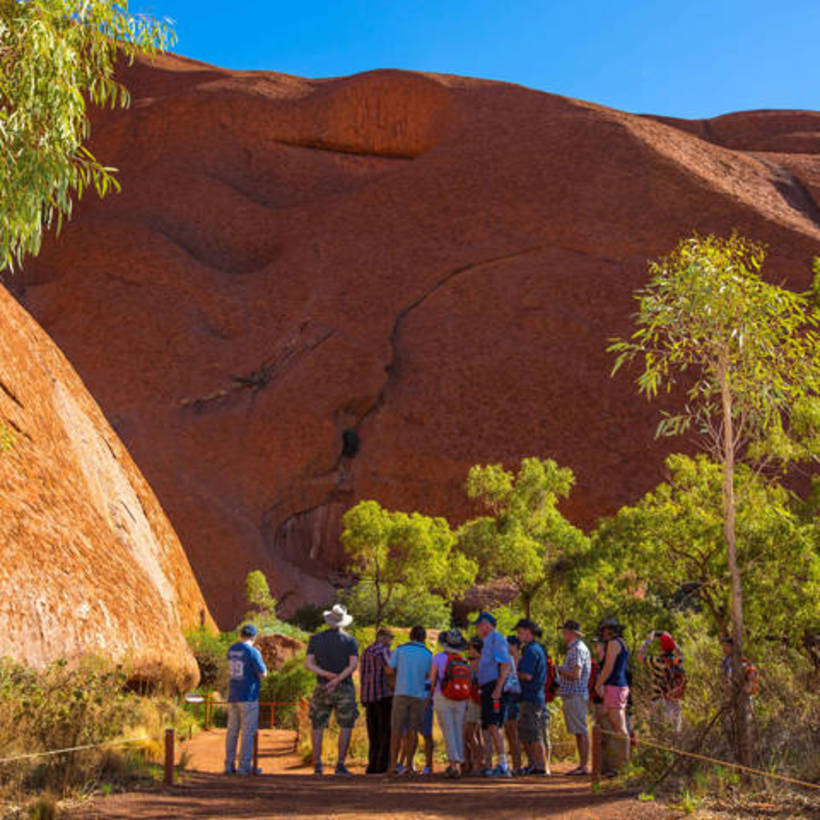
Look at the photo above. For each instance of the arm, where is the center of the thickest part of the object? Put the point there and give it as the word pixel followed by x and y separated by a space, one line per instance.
pixel 352 665
pixel 312 666
pixel 503 674
pixel 433 679
pixel 612 652
pixel 645 646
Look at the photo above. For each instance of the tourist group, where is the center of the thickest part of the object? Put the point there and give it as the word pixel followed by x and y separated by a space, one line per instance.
pixel 489 693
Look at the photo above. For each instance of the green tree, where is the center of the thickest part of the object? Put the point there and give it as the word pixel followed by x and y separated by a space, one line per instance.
pixel 525 539
pixel 748 355
pixel 257 593
pixel 55 57
pixel 400 553
pixel 658 560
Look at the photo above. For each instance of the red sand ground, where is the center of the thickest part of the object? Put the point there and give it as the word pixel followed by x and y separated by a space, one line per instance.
pixel 288 790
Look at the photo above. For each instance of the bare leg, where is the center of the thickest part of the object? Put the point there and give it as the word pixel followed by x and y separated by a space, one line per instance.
pixel 582 742
pixel 395 743
pixel 411 744
pixel 344 742
pixel 617 719
pixel 316 737
pixel 429 746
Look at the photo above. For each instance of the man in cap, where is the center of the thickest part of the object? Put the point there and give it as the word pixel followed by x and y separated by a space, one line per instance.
pixel 494 667
pixel 333 655
pixel 245 669
pixel 377 699
pixel 533 717
pixel 573 688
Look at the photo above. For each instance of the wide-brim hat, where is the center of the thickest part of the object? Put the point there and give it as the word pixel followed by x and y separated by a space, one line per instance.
pixel 453 639
pixel 610 623
pixel 572 626
pixel 337 615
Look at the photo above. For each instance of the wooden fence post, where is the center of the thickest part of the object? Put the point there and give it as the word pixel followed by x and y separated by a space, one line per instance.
pixel 169 757
pixel 256 753
pixel 207 711
pixel 596 753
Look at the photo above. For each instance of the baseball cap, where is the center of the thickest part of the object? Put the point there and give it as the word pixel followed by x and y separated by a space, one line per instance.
pixel 485 616
pixel 249 631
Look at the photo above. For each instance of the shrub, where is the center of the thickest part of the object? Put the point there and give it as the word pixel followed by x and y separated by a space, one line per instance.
pixel 406 608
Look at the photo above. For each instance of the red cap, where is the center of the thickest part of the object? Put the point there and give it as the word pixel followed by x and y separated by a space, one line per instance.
pixel 667 642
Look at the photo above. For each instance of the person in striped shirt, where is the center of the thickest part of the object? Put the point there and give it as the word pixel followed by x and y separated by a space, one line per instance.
pixel 663 708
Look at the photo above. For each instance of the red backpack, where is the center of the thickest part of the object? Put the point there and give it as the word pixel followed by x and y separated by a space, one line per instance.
pixel 551 684
pixel 457 679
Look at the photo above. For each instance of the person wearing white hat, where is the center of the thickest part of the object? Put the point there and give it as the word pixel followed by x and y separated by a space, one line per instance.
pixel 333 655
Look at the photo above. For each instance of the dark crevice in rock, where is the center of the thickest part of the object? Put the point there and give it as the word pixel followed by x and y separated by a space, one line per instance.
pixel 793 191
pixel 10 393
pixel 269 370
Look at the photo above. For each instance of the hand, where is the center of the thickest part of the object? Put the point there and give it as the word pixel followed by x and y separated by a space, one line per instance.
pixel 496 693
pixel 333 683
pixel 599 689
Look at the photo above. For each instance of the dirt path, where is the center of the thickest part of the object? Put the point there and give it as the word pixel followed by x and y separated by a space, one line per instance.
pixel 286 789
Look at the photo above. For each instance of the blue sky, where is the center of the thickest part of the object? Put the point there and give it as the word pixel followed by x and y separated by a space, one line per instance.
pixel 687 58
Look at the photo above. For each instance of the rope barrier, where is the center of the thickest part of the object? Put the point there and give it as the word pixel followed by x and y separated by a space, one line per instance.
pixel 30 755
pixel 653 744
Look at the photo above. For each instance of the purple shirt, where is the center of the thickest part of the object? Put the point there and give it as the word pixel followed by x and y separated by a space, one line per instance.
pixel 440 663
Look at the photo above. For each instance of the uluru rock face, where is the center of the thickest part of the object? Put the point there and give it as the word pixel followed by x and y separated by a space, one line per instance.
pixel 90 563
pixel 427 268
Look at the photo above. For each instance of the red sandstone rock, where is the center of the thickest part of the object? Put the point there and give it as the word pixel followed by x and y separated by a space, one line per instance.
pixel 432 261
pixel 90 564
pixel 278 649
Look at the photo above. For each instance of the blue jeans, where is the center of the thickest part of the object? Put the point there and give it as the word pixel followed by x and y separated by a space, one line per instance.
pixel 243 719
pixel 450 714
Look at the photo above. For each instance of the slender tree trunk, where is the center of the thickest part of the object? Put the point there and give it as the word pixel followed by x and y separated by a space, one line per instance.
pixel 741 702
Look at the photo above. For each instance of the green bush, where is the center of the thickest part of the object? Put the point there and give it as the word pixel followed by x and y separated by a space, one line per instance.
pixel 406 608
pixel 287 686
pixel 209 649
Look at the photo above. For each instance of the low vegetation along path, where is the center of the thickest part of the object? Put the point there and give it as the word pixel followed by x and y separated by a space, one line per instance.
pixel 287 789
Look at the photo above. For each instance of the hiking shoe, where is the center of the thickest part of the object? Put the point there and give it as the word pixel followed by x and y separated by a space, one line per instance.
pixel 317 770
pixel 232 770
pixel 532 771
pixel 427 770
pixel 487 772
pixel 343 771
pixel 521 771
pixel 500 771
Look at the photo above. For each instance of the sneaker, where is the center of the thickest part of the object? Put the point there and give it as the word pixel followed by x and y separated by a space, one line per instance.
pixel 521 771
pixel 317 770
pixel 500 771
pixel 232 770
pixel 537 772
pixel 487 772
pixel 343 771
pixel 427 770
pixel 249 772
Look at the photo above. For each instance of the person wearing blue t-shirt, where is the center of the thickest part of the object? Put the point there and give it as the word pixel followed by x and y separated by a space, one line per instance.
pixel 494 667
pixel 411 662
pixel 533 716
pixel 245 669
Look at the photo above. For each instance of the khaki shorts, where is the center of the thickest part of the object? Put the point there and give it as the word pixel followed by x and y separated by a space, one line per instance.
pixel 532 720
pixel 407 714
pixel 473 713
pixel 342 700
pixel 575 714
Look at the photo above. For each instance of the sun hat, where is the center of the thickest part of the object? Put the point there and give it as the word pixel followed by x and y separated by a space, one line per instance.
pixel 337 616
pixel 572 626
pixel 485 616
pixel 249 631
pixel 610 623
pixel 452 639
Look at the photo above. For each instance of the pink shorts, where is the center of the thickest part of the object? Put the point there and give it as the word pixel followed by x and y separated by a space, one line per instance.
pixel 615 697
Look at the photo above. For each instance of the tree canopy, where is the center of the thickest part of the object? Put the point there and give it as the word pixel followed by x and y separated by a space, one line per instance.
pixel 56 56
pixel 397 552
pixel 526 539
